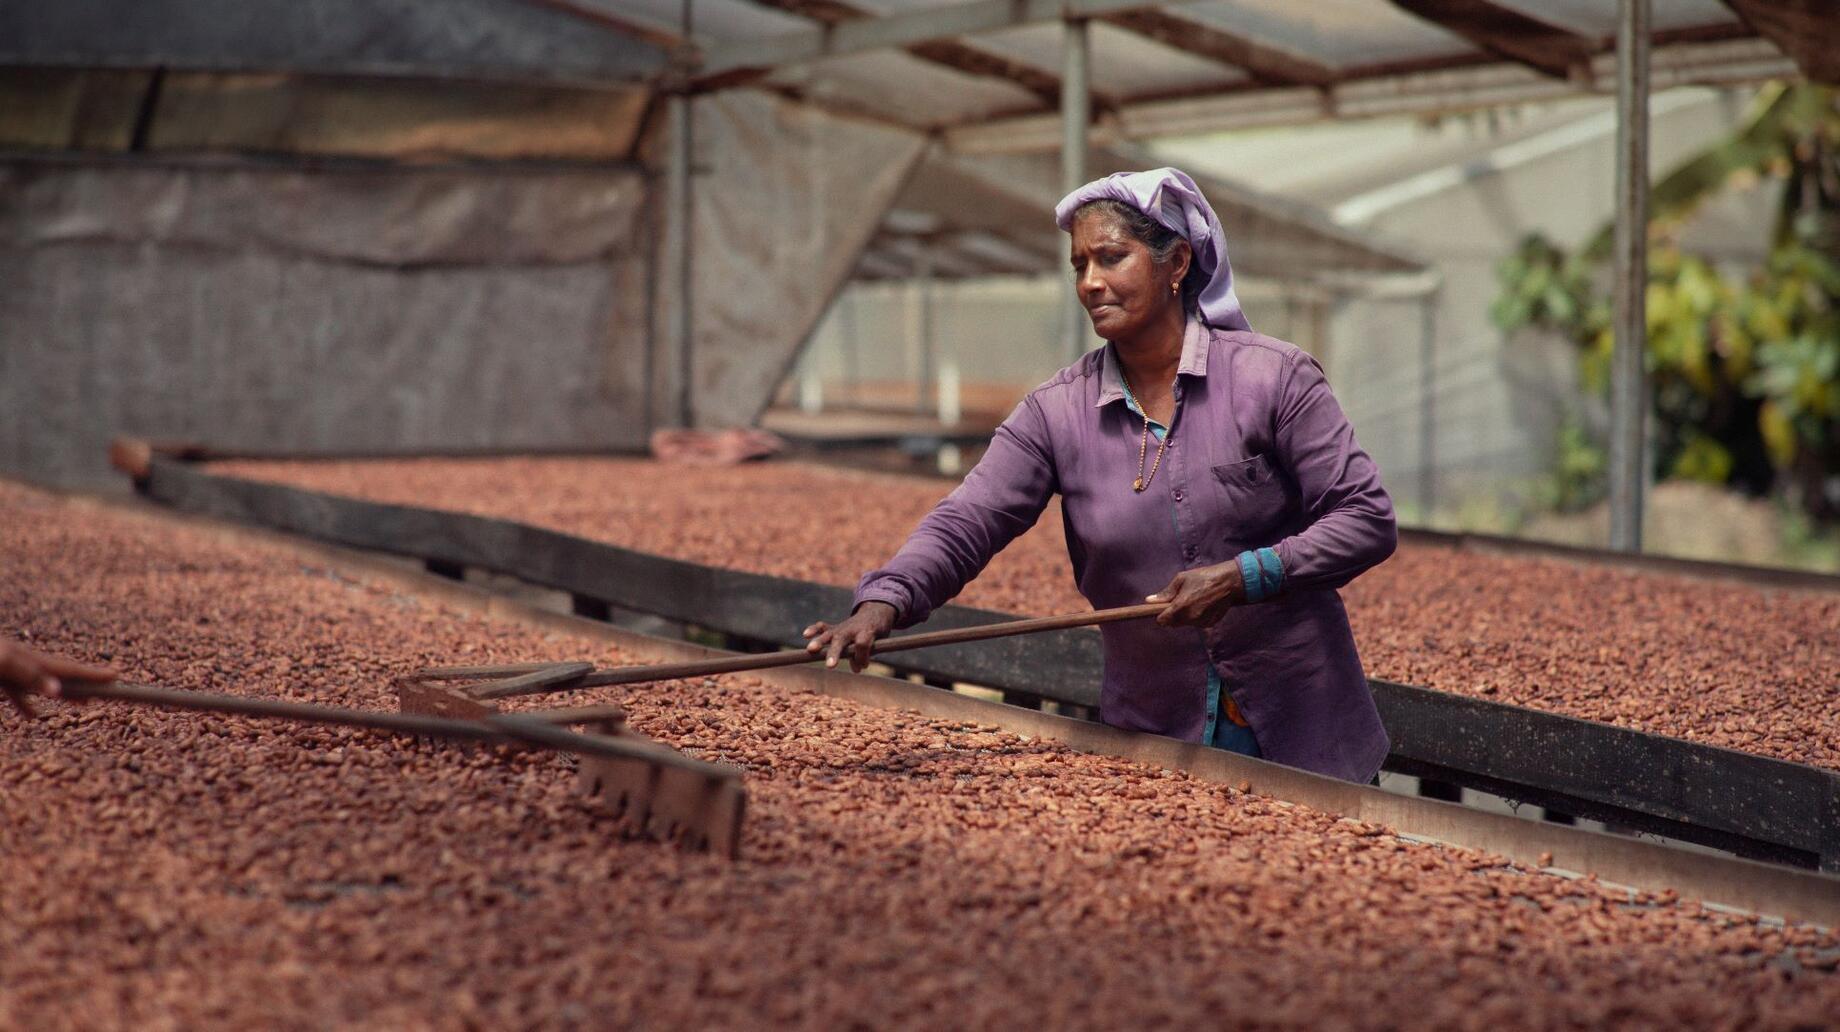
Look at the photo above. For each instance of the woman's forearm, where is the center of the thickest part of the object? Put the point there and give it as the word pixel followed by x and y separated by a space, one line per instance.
pixel 1352 527
pixel 1002 496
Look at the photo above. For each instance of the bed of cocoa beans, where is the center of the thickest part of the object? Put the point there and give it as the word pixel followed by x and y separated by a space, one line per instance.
pixel 1716 662
pixel 176 870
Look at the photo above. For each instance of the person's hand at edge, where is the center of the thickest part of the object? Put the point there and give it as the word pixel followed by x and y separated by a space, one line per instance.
pixel 26 671
pixel 855 636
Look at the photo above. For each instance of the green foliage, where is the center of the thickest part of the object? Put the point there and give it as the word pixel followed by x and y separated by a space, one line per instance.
pixel 1543 286
pixel 1577 478
pixel 1745 375
pixel 1702 458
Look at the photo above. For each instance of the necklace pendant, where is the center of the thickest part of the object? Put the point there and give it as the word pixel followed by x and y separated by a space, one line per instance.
pixel 1138 485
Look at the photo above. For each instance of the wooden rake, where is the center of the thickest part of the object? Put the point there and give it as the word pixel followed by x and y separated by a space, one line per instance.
pixel 648 794
pixel 654 791
pixel 473 690
pixel 641 791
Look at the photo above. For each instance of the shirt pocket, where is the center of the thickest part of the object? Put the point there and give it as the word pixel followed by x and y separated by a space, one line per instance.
pixel 1254 503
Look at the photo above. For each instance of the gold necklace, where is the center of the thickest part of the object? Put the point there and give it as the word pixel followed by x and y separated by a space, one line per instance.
pixel 1143 443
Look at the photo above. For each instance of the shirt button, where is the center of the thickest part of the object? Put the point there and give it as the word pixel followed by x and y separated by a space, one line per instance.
pixel 1189 551
pixel 1178 494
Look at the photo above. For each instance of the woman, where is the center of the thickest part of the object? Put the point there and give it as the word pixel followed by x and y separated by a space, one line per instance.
pixel 1199 464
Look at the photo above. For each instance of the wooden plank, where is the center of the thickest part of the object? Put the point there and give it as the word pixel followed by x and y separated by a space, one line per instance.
pixel 749 605
pixel 1806 30
pixel 1743 573
pixel 1508 33
pixel 1264 64
pixel 1598 770
pixel 1732 800
pixel 949 53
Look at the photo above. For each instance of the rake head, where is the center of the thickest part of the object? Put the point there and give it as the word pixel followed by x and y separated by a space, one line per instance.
pixel 650 789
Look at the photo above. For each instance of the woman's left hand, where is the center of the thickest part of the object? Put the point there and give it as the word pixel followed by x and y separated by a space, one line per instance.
pixel 1201 596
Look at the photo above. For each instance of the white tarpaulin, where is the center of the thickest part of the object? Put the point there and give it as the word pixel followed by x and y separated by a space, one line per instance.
pixel 786 197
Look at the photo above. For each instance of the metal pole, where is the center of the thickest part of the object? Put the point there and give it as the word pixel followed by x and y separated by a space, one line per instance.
pixel 852 372
pixel 1076 115
pixel 923 280
pixel 1427 407
pixel 1628 386
pixel 677 243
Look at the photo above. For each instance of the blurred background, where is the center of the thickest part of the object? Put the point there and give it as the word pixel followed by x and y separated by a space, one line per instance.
pixel 354 227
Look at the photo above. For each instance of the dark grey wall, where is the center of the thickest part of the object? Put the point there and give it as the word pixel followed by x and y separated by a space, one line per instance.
pixel 339 308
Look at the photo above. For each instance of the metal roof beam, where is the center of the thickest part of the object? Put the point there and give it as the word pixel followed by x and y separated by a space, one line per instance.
pixel 458 39
pixel 1747 60
pixel 600 16
pixel 904 30
pixel 950 53
pixel 1800 27
pixel 1508 33
pixel 1806 30
pixel 1004 254
pixel 1265 64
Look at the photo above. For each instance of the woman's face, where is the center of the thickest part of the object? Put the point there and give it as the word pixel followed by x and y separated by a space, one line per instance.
pixel 1121 286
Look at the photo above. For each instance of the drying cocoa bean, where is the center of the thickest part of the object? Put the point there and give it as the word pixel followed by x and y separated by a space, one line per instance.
pixel 259 875
pixel 1716 662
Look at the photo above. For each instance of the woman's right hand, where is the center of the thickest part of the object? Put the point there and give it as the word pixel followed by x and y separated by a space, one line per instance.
pixel 855 635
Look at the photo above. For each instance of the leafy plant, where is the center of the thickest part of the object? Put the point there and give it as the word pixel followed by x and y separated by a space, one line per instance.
pixel 1577 478
pixel 1745 375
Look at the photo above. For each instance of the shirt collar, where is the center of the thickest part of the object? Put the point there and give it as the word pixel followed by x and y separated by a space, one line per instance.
pixel 1195 340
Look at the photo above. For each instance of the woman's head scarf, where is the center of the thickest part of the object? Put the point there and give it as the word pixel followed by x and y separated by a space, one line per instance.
pixel 1171 198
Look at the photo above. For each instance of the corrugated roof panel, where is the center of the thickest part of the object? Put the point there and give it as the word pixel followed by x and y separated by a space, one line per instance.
pixel 1124 64
pixel 903 88
pixel 1686 14
pixel 1003 253
pixel 1597 18
pixel 894 6
pixel 1335 32
pixel 711 19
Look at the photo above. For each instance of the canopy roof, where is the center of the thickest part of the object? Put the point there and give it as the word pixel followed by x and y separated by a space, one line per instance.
pixel 967 216
pixel 985 72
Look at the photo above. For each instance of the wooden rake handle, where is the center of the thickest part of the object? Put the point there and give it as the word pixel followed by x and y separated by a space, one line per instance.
pixel 794 657
pixel 505 729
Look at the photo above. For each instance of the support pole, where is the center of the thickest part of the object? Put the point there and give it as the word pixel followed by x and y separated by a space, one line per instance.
pixel 678 237
pixel 923 283
pixel 1628 379
pixel 852 369
pixel 1427 407
pixel 1076 115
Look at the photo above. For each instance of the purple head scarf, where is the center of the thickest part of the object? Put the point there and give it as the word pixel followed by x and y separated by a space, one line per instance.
pixel 1170 197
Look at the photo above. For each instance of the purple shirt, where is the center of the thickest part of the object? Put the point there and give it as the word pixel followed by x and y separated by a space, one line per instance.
pixel 1259 455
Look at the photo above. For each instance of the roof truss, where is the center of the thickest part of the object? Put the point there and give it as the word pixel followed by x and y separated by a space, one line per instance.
pixel 950 53
pixel 1804 29
pixel 1265 64
pixel 1508 33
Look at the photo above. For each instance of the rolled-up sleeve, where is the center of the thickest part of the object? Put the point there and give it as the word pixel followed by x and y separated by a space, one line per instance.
pixel 1350 517
pixel 1002 496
